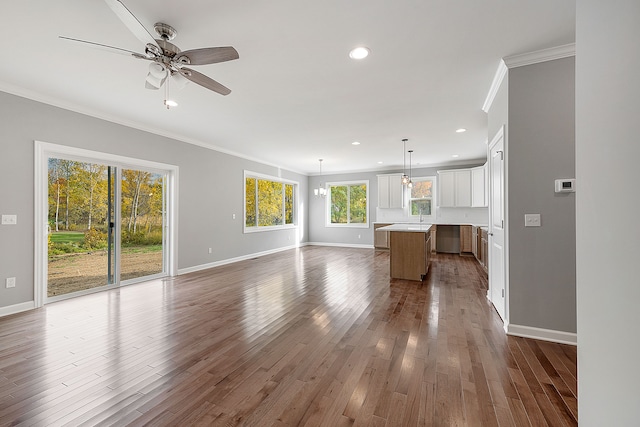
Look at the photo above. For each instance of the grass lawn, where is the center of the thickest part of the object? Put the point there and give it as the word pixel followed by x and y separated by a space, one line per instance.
pixel 141 249
pixel 67 237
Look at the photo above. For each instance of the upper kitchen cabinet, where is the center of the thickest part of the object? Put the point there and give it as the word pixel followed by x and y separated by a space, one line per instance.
pixel 454 188
pixel 479 186
pixel 390 191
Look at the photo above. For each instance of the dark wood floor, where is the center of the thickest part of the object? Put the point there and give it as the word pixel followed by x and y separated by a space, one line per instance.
pixel 315 336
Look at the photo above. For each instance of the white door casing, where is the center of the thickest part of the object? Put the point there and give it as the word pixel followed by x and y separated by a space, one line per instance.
pixel 498 289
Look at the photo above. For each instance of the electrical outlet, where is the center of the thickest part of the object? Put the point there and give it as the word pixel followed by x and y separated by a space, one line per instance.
pixel 359 236
pixel 10 282
pixel 532 220
pixel 9 219
pixel 233 216
pixel 210 250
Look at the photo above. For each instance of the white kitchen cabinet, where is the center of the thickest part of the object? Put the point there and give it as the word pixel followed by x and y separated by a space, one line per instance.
pixel 479 186
pixel 390 191
pixel 447 188
pixel 454 188
pixel 463 188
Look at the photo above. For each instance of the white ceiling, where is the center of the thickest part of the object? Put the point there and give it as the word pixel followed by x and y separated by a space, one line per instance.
pixel 296 95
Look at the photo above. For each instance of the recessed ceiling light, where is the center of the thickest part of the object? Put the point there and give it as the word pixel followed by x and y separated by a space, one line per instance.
pixel 359 53
pixel 379 163
pixel 355 143
pixel 455 155
pixel 170 103
pixel 461 130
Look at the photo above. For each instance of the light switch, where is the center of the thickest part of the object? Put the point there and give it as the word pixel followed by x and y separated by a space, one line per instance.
pixel 9 219
pixel 532 220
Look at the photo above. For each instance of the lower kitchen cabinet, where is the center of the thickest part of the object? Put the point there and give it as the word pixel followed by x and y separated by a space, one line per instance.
pixel 465 239
pixel 474 240
pixel 380 238
pixel 410 255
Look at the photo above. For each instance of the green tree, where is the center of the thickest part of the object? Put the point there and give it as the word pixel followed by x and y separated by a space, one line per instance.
pixel 136 193
pixel 339 204
pixel 92 181
pixel 250 202
pixel 358 204
pixel 288 204
pixel 270 201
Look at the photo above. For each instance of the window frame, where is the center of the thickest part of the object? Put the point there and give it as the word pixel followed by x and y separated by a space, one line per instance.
pixel 329 186
pixel 432 216
pixel 284 182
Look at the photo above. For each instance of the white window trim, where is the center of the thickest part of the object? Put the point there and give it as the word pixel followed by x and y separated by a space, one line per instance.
pixel 328 186
pixel 257 229
pixel 428 218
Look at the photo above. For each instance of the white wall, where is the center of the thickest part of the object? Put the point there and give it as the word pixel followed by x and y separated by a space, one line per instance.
pixel 608 203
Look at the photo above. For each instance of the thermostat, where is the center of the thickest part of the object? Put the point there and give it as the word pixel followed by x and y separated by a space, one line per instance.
pixel 565 185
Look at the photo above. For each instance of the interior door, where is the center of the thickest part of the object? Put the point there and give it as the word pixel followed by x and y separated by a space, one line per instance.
pixel 497 272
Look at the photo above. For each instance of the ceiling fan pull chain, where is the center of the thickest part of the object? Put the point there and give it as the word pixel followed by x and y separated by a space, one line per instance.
pixel 166 91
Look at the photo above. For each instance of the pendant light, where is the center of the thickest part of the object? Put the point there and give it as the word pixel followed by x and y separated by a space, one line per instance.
pixel 405 178
pixel 320 191
pixel 410 183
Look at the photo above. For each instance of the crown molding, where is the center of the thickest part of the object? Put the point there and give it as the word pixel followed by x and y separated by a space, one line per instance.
pixel 521 60
pixel 495 85
pixel 76 108
pixel 538 56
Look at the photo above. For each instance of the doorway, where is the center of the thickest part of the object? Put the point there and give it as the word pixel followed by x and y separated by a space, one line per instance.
pixel 106 221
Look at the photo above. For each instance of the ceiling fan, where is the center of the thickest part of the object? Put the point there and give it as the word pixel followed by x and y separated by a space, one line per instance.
pixel 167 60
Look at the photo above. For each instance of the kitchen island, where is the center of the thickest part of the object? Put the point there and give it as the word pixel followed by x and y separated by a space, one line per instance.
pixel 410 250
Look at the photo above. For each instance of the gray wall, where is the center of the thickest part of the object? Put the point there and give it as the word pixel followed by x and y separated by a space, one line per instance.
pixel 319 233
pixel 541 148
pixel 608 202
pixel 210 190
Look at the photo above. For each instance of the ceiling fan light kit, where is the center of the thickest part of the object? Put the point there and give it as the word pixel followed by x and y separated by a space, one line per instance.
pixel 168 61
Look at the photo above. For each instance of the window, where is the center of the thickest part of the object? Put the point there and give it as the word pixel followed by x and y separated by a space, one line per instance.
pixel 269 202
pixel 347 204
pixel 421 197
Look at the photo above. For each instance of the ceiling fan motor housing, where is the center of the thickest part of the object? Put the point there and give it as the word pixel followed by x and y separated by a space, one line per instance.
pixel 165 31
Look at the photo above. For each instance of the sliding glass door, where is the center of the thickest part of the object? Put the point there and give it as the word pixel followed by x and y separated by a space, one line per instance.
pixel 106 224
pixel 80 242
pixel 142 224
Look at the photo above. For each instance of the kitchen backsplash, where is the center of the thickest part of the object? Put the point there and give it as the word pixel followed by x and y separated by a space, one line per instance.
pixel 454 215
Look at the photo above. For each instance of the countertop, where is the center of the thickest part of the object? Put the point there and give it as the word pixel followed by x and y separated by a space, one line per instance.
pixel 434 223
pixel 407 227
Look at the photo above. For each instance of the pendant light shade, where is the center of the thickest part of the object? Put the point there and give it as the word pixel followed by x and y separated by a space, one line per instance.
pixel 410 183
pixel 320 191
pixel 405 178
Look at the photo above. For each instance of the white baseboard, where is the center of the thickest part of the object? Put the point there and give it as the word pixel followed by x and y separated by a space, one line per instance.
pixel 17 308
pixel 236 259
pixel 269 252
pixel 340 245
pixel 543 334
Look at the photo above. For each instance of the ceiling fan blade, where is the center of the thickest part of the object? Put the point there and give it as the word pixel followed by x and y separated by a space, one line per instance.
pixel 107 47
pixel 131 22
pixel 208 55
pixel 204 81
